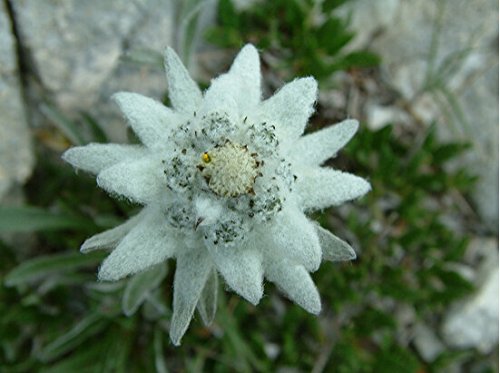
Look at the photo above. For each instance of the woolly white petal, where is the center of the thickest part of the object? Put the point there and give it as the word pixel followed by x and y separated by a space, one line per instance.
pixel 96 157
pixel 140 181
pixel 207 304
pixel 294 237
pixel 148 243
pixel 238 91
pixel 242 269
pixel 317 147
pixel 110 238
pixel 290 108
pixel 334 249
pixel 193 268
pixel 150 119
pixel 246 70
pixel 222 97
pixel 319 188
pixel 183 92
pixel 296 283
pixel 207 210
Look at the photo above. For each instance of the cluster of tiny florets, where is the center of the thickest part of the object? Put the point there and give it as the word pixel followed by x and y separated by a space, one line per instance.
pixel 264 137
pixel 180 215
pixel 241 171
pixel 230 170
pixel 229 230
pixel 215 128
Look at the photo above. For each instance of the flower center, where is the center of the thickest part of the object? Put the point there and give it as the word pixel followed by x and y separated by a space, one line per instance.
pixel 229 170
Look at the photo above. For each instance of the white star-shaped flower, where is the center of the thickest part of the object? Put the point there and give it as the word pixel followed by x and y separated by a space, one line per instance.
pixel 225 179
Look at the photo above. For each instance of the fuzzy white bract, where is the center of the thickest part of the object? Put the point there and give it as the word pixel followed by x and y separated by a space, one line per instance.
pixel 225 179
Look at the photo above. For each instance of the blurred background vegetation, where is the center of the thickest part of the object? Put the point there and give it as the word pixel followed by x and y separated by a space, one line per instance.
pixel 410 232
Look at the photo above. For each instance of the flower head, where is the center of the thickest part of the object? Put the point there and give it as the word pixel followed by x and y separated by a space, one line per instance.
pixel 225 179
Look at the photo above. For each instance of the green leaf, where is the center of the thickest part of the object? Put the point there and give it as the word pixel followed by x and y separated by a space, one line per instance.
pixel 140 286
pixel 159 353
pixel 144 57
pixel 449 358
pixel 347 356
pixel 155 307
pixel 329 5
pixel 396 360
pixel 371 320
pixel 358 59
pixel 196 363
pixel 456 286
pixel 40 267
pixel 83 330
pixel 66 126
pixel 188 27
pixel 98 133
pixel 333 35
pixel 117 350
pixel 227 14
pixel 86 360
pixel 207 304
pixel 29 219
pixel 448 151
pixel 235 341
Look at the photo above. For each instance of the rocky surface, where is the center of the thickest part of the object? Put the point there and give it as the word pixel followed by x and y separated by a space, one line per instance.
pixel 474 321
pixel 442 59
pixel 427 343
pixel 79 50
pixel 16 154
pixel 75 44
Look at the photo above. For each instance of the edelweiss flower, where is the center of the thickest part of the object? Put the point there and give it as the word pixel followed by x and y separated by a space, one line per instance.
pixel 225 179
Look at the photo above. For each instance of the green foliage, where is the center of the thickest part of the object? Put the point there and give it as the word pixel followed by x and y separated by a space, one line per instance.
pixel 139 288
pixel 413 180
pixel 43 266
pixel 28 219
pixel 290 28
pixel 87 327
pixel 66 126
pixel 405 246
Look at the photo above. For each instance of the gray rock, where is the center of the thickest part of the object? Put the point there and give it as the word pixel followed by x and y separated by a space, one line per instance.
pixel 151 37
pixel 442 58
pixel 473 323
pixel 428 32
pixel 272 350
pixel 369 17
pixel 378 116
pixel 244 4
pixel 427 343
pixel 480 105
pixel 75 44
pixel 16 154
pixel 79 50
